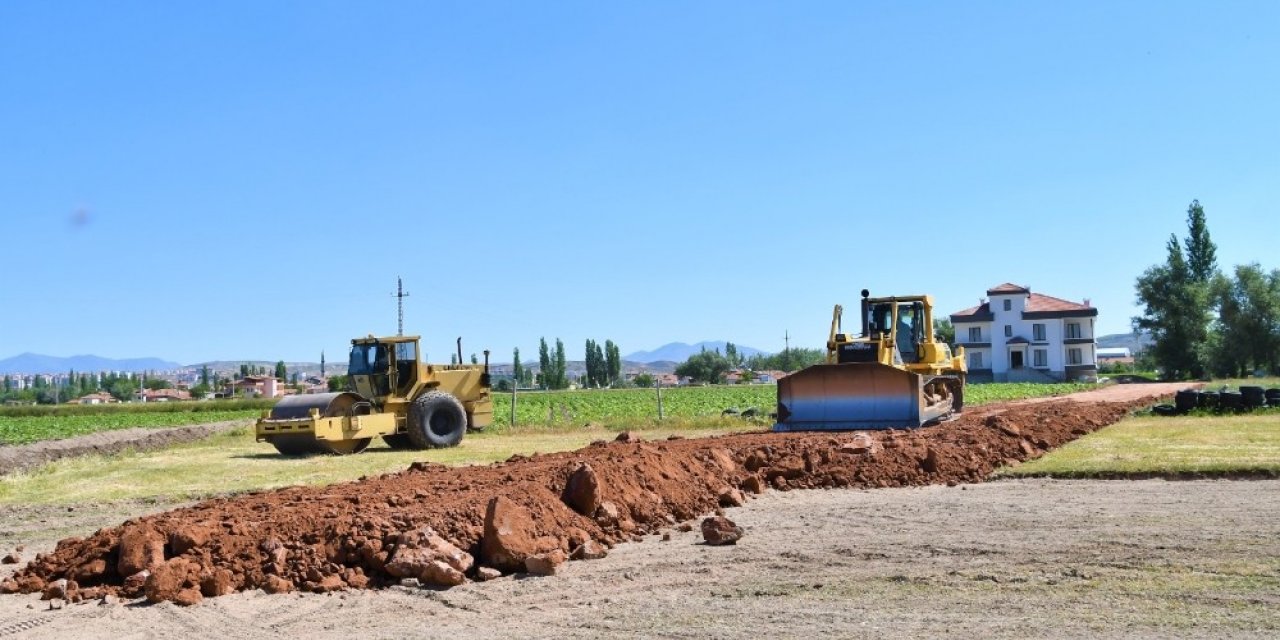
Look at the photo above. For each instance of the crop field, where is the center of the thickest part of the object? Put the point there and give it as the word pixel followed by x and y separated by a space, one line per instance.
pixel 623 407
pixel 611 408
pixel 24 430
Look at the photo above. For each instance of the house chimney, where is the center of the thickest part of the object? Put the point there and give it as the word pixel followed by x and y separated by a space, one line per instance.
pixel 1086 302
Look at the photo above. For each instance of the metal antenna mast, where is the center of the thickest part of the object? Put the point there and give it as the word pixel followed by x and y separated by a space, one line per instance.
pixel 400 295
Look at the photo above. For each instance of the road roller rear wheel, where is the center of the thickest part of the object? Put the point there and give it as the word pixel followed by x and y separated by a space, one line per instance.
pixel 436 419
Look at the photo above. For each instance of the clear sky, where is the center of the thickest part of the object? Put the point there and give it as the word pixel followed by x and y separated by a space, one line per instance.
pixel 236 180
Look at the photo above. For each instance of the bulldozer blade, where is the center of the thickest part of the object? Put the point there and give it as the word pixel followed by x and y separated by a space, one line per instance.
pixel 841 397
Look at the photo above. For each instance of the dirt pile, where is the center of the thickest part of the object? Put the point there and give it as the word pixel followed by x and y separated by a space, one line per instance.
pixel 442 525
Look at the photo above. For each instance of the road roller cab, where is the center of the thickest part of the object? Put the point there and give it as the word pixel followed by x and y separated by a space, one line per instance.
pixel 391 394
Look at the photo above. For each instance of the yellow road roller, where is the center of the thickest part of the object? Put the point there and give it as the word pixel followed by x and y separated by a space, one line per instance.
pixel 895 374
pixel 392 395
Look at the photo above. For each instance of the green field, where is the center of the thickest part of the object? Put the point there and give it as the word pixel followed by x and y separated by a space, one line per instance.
pixel 609 408
pixel 623 407
pixel 1184 446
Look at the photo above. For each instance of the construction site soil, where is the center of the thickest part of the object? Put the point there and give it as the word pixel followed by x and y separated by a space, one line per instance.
pixel 445 525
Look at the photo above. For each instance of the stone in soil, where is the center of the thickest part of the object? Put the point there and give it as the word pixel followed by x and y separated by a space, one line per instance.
pixel 582 491
pixel 719 530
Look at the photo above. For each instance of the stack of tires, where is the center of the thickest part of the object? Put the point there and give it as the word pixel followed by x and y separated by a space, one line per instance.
pixel 1247 398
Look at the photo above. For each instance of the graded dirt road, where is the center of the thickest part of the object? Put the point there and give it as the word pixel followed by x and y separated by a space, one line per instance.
pixel 1008 559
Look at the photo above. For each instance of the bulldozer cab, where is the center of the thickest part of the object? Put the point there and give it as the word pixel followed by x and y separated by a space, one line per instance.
pixel 902 322
pixel 383 367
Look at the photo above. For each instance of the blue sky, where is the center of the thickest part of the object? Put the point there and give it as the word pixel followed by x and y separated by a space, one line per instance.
pixel 240 180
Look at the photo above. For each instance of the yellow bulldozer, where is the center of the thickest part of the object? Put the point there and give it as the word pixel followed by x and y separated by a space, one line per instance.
pixel 895 374
pixel 393 395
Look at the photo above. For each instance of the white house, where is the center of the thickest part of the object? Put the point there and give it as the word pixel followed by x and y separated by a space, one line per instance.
pixel 1020 336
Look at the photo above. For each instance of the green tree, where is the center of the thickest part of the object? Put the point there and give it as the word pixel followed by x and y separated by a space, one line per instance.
pixel 1202 262
pixel 643 380
pixel 1175 297
pixel 545 372
pixel 1246 334
pixel 613 362
pixel 156 383
pixel 8 383
pixel 204 375
pixel 943 331
pixel 589 361
pixel 562 380
pixel 282 373
pixel 704 366
pixel 474 359
pixel 338 383
pixel 731 354
pixel 517 369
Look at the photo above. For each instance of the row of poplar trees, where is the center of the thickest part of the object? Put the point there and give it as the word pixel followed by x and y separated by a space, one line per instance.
pixel 604 365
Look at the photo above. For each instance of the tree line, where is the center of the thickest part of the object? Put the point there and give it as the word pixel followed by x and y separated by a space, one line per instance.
pixel 1205 322
pixel 712 366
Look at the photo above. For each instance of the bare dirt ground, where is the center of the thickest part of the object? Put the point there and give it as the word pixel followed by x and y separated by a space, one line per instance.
pixel 1010 559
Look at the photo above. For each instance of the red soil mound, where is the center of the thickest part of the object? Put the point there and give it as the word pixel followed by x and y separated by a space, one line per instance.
pixel 516 515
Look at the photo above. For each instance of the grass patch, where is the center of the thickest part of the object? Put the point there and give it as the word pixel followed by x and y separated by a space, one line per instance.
pixel 233 463
pixel 1154 446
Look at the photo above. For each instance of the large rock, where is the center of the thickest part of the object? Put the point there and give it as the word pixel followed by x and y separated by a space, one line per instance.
pixel 718 530
pixel 582 491
pixel 167 580
pixel 276 584
pixel 510 537
pixel 730 497
pixel 860 443
pixel 188 538
pixel 545 564
pixel 141 549
pixel 424 555
pixel 589 550
pixel 219 582
pixel 134 585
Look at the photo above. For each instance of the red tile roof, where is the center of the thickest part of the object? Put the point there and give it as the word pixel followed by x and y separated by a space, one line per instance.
pixel 983 309
pixel 1007 288
pixel 1041 302
pixel 1036 303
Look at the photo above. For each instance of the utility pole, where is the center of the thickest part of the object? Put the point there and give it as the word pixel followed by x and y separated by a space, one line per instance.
pixel 786 351
pixel 400 295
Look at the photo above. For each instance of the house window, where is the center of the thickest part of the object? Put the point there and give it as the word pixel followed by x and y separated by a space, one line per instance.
pixel 975 360
pixel 1040 357
pixel 1008 330
pixel 1073 330
pixel 1037 332
pixel 1073 356
pixel 1008 305
pixel 975 334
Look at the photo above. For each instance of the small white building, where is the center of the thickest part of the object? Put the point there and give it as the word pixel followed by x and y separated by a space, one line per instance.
pixel 1020 336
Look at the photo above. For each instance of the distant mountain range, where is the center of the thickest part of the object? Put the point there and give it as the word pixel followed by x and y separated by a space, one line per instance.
pixel 1134 341
pixel 36 363
pixel 679 351
pixel 664 358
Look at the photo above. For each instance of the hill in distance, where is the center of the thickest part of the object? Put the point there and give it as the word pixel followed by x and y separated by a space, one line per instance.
pixel 679 351
pixel 1134 341
pixel 38 363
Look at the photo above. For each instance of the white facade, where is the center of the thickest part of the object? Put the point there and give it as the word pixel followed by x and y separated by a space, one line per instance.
pixel 1020 336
